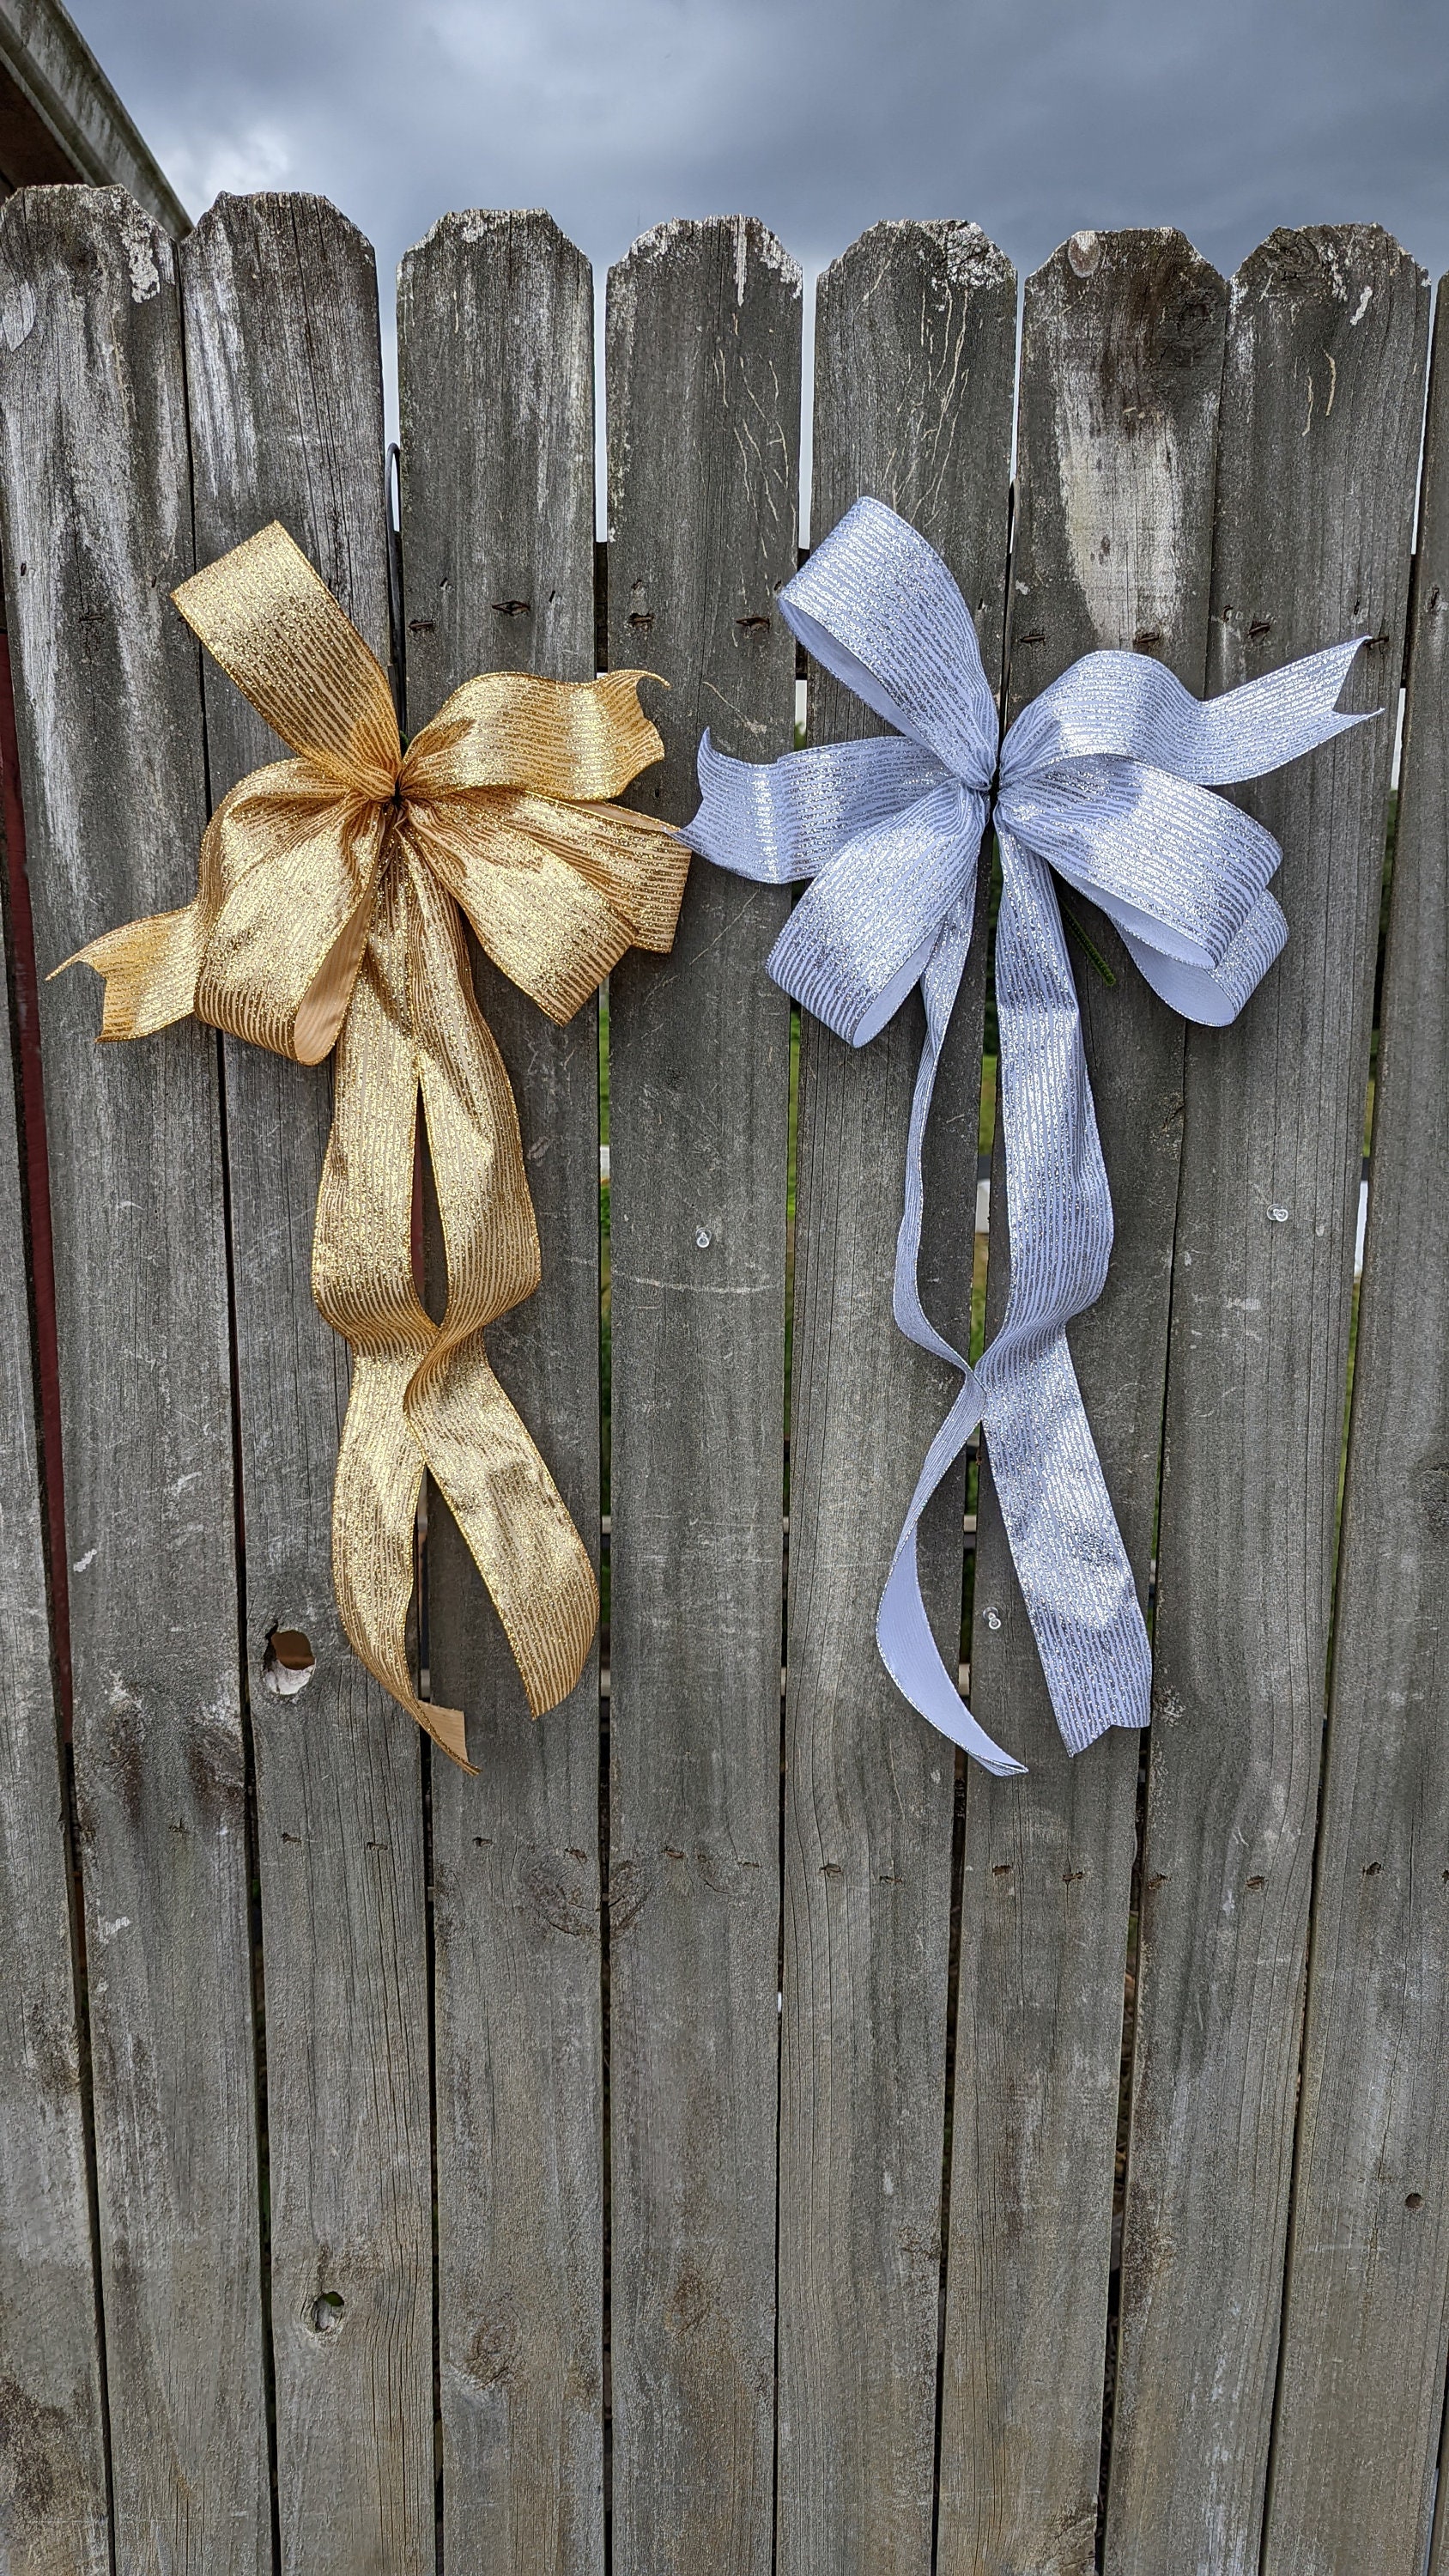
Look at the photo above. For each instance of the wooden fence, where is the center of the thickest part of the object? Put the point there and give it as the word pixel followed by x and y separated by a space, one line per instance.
pixel 711 2141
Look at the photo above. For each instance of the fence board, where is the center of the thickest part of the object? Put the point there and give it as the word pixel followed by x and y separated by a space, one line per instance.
pixel 96 500
pixel 52 2457
pixel 1364 2336
pixel 1246 1142
pixel 915 367
pixel 1316 456
pixel 1117 432
pixel 284 387
pixel 495 337
pixel 704 407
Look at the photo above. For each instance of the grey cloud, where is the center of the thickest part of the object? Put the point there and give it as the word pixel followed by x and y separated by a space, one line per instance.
pixel 1033 116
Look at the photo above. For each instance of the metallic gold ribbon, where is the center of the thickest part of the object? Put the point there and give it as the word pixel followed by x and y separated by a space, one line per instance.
pixel 327 914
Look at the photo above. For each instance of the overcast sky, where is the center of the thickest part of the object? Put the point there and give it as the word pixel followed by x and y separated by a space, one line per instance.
pixel 1035 117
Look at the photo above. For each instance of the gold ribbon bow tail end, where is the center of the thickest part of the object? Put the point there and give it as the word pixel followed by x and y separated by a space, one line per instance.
pixel 149 969
pixel 423 1393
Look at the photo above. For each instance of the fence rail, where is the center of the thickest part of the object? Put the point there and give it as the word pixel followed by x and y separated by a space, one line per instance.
pixel 726 2133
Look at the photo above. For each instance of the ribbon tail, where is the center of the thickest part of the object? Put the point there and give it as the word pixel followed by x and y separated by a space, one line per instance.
pixel 1070 1561
pixel 514 1523
pixel 507 1507
pixel 374 1521
pixel 362 1280
pixel 903 1634
pixel 150 968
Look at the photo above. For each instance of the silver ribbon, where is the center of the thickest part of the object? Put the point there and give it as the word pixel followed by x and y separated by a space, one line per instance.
pixel 1102 779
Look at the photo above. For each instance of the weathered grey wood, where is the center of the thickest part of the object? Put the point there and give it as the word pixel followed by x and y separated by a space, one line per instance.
pixel 1438 2557
pixel 52 2456
pixel 704 406
pixel 1117 431
pixel 1365 2331
pixel 495 337
pixel 1316 453
pixel 914 377
pixel 285 396
pixel 96 503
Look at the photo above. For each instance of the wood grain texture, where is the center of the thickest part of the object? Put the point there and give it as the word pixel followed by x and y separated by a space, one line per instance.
pixel 1365 2331
pixel 914 372
pixel 704 407
pixel 495 336
pixel 1317 445
pixel 1438 2557
pixel 52 2453
pixel 284 387
pixel 95 492
pixel 1117 432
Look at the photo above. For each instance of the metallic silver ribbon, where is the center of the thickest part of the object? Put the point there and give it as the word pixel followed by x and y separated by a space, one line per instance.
pixel 1101 779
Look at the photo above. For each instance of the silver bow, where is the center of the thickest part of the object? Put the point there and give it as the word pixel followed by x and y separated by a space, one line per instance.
pixel 1101 778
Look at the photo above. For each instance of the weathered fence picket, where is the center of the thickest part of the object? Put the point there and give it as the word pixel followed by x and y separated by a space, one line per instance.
pixel 1317 441
pixel 914 366
pixel 495 344
pixel 704 413
pixel 543 2170
pixel 1116 440
pixel 95 501
pixel 285 397
pixel 52 2431
pixel 1361 2377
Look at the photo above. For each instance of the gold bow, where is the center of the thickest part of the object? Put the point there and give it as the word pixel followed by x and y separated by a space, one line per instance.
pixel 327 913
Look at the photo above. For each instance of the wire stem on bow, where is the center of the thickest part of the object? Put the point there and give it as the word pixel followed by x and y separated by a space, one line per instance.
pixel 1089 944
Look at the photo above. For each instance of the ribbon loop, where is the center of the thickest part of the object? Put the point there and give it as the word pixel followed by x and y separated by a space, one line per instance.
pixel 878 608
pixel 559 892
pixel 581 739
pixel 860 939
pixel 292 872
pixel 800 811
pixel 275 628
pixel 326 912
pixel 1179 868
pixel 1213 996
pixel 1103 779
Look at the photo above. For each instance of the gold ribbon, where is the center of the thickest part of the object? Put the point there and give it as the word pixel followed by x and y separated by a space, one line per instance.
pixel 327 913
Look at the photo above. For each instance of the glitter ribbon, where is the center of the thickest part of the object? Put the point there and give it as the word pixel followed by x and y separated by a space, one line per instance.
pixel 328 913
pixel 1101 779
